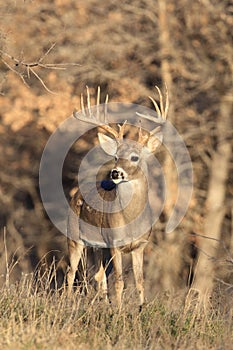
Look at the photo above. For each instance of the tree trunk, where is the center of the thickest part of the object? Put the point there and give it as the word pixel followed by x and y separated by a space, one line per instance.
pixel 204 274
pixel 171 246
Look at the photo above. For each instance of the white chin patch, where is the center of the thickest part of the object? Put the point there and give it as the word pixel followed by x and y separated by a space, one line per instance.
pixel 117 181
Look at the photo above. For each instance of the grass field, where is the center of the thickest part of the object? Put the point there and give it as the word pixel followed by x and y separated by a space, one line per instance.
pixel 126 47
pixel 32 316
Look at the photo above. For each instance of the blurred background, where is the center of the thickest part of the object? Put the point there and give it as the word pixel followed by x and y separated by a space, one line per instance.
pixel 49 52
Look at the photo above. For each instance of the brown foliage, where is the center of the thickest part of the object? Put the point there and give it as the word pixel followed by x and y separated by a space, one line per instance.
pixel 118 46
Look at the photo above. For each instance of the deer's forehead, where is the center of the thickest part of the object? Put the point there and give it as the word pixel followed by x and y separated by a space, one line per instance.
pixel 125 149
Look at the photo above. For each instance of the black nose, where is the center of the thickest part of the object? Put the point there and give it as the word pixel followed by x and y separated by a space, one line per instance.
pixel 114 174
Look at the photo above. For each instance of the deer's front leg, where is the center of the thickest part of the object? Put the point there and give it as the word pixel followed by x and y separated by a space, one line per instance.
pixel 117 264
pixel 137 261
pixel 75 254
pixel 100 275
pixel 75 246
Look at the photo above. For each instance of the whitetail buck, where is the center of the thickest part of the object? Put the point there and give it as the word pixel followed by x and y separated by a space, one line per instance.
pixel 127 179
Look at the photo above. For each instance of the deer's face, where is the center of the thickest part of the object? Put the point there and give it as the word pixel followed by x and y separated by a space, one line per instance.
pixel 130 157
pixel 128 162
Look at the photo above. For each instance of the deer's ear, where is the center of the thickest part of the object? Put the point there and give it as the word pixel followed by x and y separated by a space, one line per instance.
pixel 108 144
pixel 155 141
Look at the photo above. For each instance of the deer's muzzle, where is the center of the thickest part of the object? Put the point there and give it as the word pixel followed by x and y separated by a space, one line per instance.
pixel 118 175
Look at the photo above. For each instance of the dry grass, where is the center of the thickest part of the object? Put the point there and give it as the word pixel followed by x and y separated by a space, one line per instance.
pixel 33 316
pixel 119 48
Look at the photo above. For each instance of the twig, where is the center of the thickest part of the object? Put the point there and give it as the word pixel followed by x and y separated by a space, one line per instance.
pixel 207 237
pixel 228 259
pixel 15 71
pixel 6 258
pixel 29 66
pixel 41 81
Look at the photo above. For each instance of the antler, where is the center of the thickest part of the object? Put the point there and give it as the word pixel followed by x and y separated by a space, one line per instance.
pixel 88 117
pixel 161 112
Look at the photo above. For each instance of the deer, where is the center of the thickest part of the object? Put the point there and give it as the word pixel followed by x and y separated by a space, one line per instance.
pixel 127 175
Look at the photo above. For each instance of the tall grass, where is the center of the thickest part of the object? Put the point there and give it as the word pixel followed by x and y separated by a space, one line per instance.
pixel 35 316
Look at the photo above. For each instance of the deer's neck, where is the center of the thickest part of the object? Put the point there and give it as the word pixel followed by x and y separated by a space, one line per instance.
pixel 132 197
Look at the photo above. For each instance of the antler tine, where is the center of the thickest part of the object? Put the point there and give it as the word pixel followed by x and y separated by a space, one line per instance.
pixel 155 130
pixel 82 105
pixel 164 111
pixel 142 138
pixel 156 106
pixel 88 101
pixel 166 103
pixel 160 101
pixel 98 102
pixel 110 130
pixel 98 96
pixel 106 108
pixel 121 130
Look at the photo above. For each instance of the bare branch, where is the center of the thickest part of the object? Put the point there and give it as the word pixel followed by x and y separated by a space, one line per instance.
pixel 29 66
pixel 41 81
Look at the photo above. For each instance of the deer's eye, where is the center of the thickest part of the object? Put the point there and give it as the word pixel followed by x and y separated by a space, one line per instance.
pixel 134 158
pixel 116 158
